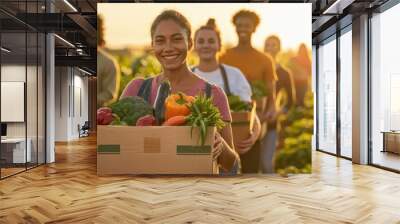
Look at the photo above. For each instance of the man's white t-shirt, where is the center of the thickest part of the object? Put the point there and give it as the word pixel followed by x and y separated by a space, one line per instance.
pixel 238 83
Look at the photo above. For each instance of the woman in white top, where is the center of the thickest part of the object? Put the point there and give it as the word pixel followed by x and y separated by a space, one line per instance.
pixel 207 43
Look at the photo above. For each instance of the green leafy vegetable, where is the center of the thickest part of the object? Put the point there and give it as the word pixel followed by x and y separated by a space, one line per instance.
pixel 129 109
pixel 258 89
pixel 204 114
pixel 237 105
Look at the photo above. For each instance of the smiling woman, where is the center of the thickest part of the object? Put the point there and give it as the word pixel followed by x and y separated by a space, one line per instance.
pixel 171 40
pixel 170 45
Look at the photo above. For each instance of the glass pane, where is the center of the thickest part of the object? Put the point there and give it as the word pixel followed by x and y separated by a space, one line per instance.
pixel 41 99
pixel 13 86
pixel 31 98
pixel 23 80
pixel 327 97
pixel 386 89
pixel 346 94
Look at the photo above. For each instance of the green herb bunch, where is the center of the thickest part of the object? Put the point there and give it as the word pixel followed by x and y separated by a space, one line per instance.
pixel 258 89
pixel 237 105
pixel 204 114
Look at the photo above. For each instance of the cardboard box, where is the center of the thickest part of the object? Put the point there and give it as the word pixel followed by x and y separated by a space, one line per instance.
pixel 242 124
pixel 153 150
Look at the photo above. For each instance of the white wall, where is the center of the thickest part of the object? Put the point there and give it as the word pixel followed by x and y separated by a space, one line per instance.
pixel 61 103
pixel 71 93
pixel 81 82
pixel 14 73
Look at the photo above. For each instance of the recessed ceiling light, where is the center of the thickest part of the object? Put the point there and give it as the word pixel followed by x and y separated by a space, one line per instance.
pixel 5 50
pixel 338 6
pixel 65 41
pixel 70 5
pixel 84 71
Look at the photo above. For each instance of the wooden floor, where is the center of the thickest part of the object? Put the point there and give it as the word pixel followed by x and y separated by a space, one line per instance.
pixel 10 171
pixel 5 172
pixel 70 192
pixel 387 159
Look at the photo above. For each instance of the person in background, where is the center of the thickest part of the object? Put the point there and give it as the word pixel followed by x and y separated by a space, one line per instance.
pixel 171 41
pixel 207 43
pixel 300 65
pixel 257 67
pixel 286 98
pixel 108 75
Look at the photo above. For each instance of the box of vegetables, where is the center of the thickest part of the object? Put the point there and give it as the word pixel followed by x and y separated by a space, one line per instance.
pixel 134 138
pixel 243 114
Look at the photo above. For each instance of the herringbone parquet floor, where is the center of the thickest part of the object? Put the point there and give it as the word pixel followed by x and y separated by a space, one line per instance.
pixel 70 192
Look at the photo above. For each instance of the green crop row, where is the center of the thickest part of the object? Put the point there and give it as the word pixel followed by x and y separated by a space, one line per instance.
pixel 294 151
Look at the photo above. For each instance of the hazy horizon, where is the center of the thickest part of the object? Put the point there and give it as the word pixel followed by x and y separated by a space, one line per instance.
pixel 293 21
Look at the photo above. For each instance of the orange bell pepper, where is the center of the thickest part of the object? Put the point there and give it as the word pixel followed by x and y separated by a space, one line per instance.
pixel 177 105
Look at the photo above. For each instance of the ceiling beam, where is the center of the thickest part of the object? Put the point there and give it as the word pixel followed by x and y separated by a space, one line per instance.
pixel 77 61
pixel 83 23
pixel 49 22
pixel 317 25
pixel 338 6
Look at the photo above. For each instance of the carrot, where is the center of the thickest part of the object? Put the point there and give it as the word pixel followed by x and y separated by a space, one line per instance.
pixel 175 121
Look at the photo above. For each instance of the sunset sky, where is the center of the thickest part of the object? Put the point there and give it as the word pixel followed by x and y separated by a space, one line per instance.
pixel 128 24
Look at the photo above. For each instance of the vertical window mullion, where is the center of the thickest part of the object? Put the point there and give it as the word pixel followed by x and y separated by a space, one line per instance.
pixel 338 97
pixel 26 87
pixel 369 90
pixel 0 93
pixel 317 96
pixel 37 90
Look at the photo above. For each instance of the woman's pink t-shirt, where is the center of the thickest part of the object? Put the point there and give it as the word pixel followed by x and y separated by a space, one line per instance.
pixel 219 98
